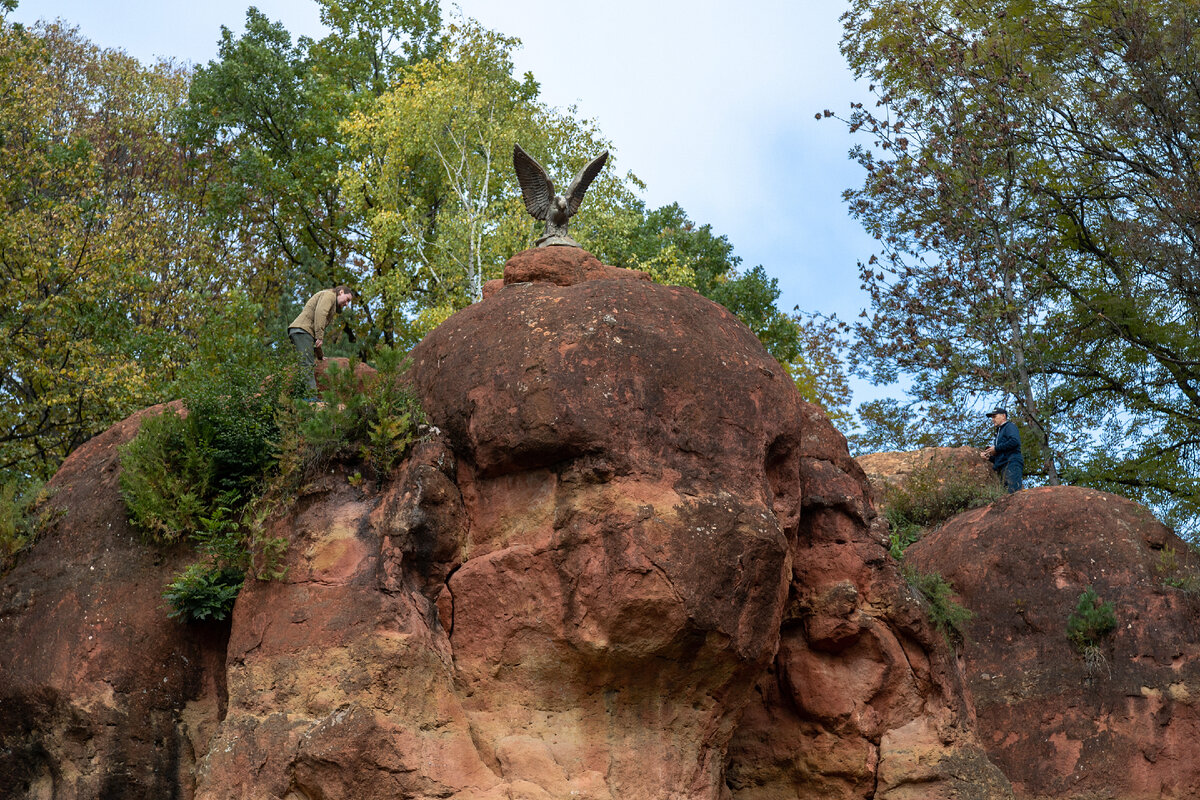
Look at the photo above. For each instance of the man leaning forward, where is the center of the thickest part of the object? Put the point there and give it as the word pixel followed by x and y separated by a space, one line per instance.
pixel 308 330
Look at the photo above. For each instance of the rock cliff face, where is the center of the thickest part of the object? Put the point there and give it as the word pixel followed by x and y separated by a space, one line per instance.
pixel 1127 727
pixel 95 681
pixel 630 563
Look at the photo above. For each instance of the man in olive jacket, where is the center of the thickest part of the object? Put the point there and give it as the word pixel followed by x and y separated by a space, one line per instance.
pixel 307 331
pixel 1005 453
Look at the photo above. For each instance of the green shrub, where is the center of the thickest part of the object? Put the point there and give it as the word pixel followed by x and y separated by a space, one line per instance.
pixel 212 476
pixel 234 394
pixel 333 428
pixel 265 552
pixel 196 476
pixel 902 533
pixel 948 615
pixel 929 496
pixel 373 420
pixel 177 468
pixel 23 514
pixel 179 483
pixel 235 413
pixel 1091 620
pixel 166 477
pixel 204 591
pixel 394 414
pixel 1177 575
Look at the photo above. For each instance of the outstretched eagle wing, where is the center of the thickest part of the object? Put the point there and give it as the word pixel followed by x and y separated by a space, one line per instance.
pixel 537 190
pixel 582 181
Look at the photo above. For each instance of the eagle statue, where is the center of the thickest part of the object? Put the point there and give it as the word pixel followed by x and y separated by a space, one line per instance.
pixel 544 203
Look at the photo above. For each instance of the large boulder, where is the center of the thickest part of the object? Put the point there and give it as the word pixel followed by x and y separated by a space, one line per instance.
pixel 95 679
pixel 627 561
pixel 1124 725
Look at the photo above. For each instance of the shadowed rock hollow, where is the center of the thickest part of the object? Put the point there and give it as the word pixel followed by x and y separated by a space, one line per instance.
pixel 630 563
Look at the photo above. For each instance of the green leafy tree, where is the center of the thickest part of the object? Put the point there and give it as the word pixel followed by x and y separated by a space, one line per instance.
pixel 958 301
pixel 264 124
pixel 888 424
pixel 431 174
pixel 1030 179
pixel 265 116
pixel 103 253
pixel 371 41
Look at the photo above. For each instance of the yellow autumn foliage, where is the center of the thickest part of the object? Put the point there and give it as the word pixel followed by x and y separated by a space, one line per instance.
pixel 103 264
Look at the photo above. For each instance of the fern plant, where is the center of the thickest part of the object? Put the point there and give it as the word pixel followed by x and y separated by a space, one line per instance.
pixel 204 591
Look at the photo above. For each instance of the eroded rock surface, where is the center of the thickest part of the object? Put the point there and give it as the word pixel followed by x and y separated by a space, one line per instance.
pixel 864 699
pixel 1127 727
pixel 629 563
pixel 95 679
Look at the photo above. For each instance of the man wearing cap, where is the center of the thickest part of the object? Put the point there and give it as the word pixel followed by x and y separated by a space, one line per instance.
pixel 307 331
pixel 1005 453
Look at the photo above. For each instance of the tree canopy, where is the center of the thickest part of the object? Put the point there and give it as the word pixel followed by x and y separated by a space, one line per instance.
pixel 264 118
pixel 430 174
pixel 1031 178
pixel 102 252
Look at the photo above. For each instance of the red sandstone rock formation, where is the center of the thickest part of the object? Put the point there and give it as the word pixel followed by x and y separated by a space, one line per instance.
pixel 893 468
pixel 631 563
pixel 95 680
pixel 1126 729
pixel 863 700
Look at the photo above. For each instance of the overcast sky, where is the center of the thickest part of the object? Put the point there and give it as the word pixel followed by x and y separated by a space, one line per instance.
pixel 711 103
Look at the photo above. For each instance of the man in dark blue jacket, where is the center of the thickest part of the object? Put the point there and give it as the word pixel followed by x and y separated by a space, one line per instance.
pixel 1005 453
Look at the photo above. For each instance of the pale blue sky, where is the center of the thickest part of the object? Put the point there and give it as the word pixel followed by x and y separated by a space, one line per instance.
pixel 711 103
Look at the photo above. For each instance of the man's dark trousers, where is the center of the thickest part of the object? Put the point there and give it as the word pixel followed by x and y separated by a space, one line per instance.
pixel 306 349
pixel 1010 473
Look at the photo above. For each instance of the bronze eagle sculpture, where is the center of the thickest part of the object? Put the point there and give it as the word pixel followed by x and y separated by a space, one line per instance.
pixel 544 203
